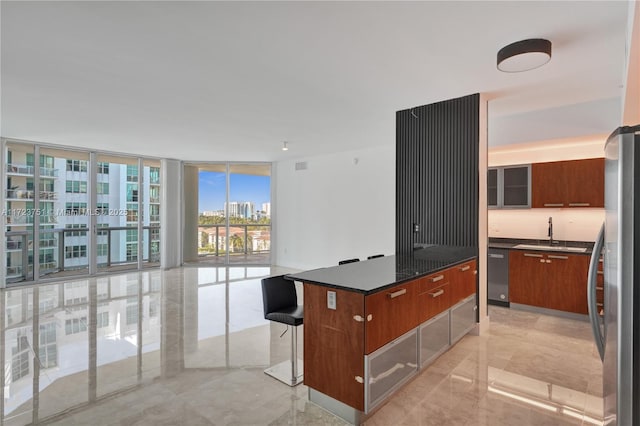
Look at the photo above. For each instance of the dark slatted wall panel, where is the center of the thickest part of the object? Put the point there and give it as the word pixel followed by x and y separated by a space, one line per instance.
pixel 437 174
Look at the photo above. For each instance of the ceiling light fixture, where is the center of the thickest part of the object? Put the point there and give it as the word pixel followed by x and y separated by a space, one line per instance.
pixel 524 55
pixel 284 146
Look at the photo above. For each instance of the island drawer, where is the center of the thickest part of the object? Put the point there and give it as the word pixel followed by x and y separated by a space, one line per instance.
pixel 433 281
pixel 463 318
pixel 433 302
pixel 434 338
pixel 389 367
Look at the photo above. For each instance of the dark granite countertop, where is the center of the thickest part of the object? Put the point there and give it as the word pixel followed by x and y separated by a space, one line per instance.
pixel 371 276
pixel 558 246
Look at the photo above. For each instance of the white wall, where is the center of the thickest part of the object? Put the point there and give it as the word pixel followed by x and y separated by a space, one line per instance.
pixel 575 224
pixel 342 206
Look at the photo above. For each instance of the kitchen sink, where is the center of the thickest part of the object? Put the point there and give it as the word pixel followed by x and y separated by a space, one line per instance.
pixel 550 248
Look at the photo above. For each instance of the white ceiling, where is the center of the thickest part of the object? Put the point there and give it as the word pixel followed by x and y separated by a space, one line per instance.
pixel 233 80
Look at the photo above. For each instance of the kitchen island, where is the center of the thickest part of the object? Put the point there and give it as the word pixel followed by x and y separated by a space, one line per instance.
pixel 370 326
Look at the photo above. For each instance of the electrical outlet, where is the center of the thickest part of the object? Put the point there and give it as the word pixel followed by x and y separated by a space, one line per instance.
pixel 331 300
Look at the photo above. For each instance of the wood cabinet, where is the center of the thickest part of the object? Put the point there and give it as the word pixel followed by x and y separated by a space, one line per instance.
pixel 463 281
pixel 577 183
pixel 585 182
pixel 567 282
pixel 434 295
pixel 526 278
pixel 390 313
pixel 334 344
pixel 549 280
pixel 363 348
pixel 547 185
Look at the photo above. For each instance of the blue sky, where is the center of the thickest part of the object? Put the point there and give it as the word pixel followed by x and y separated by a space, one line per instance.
pixel 211 191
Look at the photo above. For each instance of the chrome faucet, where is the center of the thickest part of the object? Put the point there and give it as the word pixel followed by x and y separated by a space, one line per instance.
pixel 550 231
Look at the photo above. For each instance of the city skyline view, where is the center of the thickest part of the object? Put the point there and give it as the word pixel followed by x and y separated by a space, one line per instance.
pixel 243 188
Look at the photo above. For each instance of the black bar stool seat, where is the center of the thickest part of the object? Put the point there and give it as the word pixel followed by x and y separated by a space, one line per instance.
pixel 290 316
pixel 280 304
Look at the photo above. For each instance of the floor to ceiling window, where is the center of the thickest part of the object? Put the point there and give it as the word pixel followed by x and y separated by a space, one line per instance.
pixel 151 213
pixel 228 221
pixel 63 220
pixel 74 212
pixel 19 199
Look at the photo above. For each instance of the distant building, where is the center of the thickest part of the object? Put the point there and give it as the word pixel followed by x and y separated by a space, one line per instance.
pixel 64 213
pixel 244 209
pixel 266 209
pixel 213 240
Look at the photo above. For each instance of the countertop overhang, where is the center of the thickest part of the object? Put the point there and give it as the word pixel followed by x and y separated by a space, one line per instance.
pixel 373 275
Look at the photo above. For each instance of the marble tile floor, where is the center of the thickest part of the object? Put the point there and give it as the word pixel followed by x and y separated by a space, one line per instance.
pixel 529 369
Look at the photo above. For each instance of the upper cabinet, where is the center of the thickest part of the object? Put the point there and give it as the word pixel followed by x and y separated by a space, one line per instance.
pixel 578 183
pixel 508 187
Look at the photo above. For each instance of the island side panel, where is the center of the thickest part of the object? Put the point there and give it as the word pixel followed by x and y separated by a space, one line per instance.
pixel 334 344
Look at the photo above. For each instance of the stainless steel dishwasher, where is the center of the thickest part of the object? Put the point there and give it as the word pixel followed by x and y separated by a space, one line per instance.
pixel 498 280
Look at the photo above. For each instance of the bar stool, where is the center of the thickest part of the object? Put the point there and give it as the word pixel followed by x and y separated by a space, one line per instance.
pixel 375 256
pixel 280 303
pixel 342 262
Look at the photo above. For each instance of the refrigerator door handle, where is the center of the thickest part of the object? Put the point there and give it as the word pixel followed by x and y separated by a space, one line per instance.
pixel 591 292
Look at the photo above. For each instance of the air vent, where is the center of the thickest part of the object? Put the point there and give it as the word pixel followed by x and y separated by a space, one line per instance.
pixel 301 165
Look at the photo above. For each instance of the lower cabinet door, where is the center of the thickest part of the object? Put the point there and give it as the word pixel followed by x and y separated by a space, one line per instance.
pixel 434 338
pixel 390 367
pixel 463 318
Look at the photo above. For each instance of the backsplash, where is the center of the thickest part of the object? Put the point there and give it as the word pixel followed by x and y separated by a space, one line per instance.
pixel 577 224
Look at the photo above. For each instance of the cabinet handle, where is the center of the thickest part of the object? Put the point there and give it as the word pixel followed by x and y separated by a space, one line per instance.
pixel 553 204
pixel 437 293
pixel 553 256
pixel 599 288
pixel 465 268
pixel 579 204
pixel 436 279
pixel 532 255
pixel 600 272
pixel 397 293
pixel 496 256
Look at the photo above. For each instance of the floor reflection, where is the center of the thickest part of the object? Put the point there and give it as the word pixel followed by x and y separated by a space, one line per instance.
pixel 71 344
pixel 188 346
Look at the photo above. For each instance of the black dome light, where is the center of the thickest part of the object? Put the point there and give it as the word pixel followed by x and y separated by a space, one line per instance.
pixel 524 55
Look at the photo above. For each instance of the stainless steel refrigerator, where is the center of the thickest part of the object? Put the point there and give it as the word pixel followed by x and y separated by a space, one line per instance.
pixel 617 332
